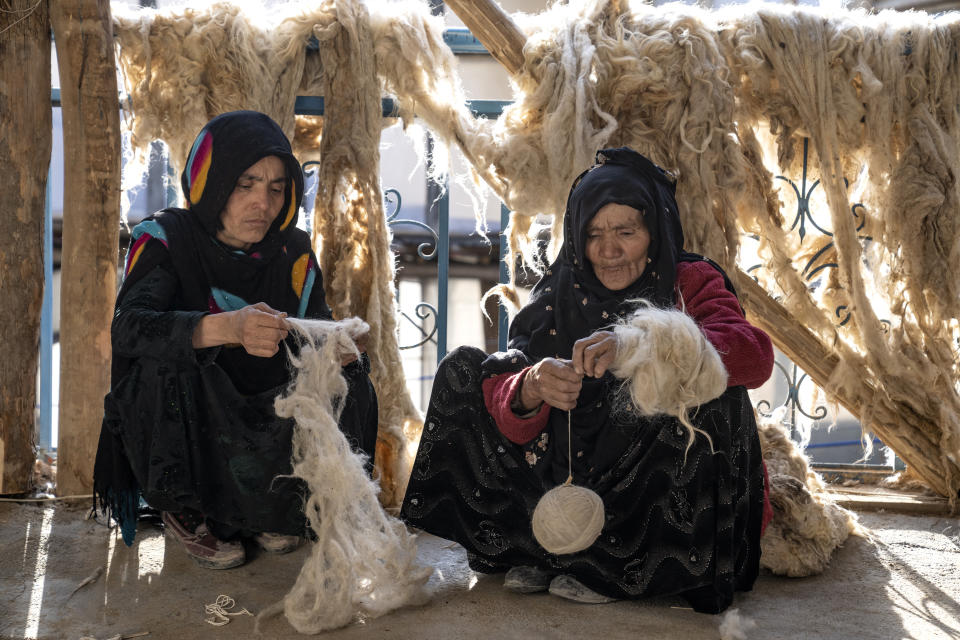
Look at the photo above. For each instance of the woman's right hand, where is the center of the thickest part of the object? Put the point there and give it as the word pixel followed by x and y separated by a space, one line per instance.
pixel 259 328
pixel 553 381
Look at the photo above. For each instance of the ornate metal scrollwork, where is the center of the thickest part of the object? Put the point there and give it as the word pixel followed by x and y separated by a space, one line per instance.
pixel 392 203
pixel 423 311
pixel 424 250
pixel 792 401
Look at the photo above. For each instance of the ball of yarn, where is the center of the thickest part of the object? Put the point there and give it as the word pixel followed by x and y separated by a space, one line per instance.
pixel 568 519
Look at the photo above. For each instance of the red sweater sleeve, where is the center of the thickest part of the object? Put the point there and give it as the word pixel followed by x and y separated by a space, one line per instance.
pixel 746 351
pixel 498 393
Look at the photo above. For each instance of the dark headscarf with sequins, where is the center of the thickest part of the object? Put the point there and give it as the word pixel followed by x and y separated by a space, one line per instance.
pixel 570 302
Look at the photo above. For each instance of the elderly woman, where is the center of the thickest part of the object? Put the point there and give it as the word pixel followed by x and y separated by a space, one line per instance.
pixel 495 439
pixel 200 352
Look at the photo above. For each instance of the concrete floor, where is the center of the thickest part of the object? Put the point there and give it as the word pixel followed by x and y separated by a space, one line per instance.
pixel 904 584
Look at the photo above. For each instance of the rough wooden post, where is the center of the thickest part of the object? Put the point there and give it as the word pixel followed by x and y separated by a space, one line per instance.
pixel 494 28
pixel 91 135
pixel 24 158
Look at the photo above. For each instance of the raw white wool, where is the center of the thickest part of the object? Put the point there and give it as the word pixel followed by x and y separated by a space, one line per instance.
pixel 734 626
pixel 668 364
pixel 807 526
pixel 567 519
pixel 363 561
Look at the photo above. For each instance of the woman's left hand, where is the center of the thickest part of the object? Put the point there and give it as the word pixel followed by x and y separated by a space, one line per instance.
pixel 593 355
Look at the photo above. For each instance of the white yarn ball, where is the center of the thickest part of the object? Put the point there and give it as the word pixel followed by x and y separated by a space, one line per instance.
pixel 568 519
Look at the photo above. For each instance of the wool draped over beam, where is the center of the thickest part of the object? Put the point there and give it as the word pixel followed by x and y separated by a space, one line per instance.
pixel 718 97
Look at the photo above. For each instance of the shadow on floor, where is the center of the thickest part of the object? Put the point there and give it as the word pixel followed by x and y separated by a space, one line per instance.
pixel 902 584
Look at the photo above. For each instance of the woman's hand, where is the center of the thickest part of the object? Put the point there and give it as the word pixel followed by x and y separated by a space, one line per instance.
pixel 593 355
pixel 349 356
pixel 552 381
pixel 257 327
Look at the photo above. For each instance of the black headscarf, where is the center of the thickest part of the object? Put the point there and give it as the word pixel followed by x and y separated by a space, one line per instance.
pixel 570 302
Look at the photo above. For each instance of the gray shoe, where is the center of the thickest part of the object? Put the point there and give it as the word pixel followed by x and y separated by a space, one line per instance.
pixel 277 542
pixel 572 589
pixel 527 579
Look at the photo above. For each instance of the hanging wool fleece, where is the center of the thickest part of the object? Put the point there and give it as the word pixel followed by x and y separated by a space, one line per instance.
pixel 723 98
pixel 363 561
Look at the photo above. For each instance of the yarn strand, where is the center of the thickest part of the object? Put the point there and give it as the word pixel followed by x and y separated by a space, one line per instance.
pixel 568 518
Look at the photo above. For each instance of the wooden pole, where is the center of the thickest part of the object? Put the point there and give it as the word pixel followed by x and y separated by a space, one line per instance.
pixel 91 135
pixel 899 426
pixel 25 158
pixel 494 28
pixel 503 39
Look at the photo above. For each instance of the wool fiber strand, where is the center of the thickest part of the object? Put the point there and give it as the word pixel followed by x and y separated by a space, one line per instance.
pixel 363 561
pixel 667 364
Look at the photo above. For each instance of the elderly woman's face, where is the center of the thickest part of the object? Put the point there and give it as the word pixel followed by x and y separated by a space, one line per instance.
pixel 617 244
pixel 254 203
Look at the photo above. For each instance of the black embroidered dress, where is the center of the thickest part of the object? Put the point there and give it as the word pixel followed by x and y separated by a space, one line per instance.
pixel 193 428
pixel 673 526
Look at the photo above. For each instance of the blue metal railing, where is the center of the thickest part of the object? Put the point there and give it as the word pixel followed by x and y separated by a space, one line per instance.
pixel 502 319
pixel 315 106
pixel 45 393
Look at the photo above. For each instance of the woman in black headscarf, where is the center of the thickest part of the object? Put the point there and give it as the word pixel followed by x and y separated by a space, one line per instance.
pixel 495 436
pixel 199 353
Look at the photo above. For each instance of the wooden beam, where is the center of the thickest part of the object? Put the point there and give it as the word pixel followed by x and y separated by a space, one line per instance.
pixel 494 28
pixel 25 158
pixel 91 216
pixel 909 434
pixel 796 341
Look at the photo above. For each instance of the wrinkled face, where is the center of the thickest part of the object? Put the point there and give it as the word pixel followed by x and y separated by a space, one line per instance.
pixel 617 243
pixel 253 205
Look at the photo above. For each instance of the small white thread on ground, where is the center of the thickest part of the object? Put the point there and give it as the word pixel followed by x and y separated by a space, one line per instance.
pixel 220 611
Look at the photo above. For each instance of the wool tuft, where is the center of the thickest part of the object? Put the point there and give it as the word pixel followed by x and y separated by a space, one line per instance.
pixel 568 519
pixel 807 526
pixel 734 626
pixel 363 562
pixel 668 364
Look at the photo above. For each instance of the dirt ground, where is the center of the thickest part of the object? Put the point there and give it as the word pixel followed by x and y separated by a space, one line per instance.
pixel 904 583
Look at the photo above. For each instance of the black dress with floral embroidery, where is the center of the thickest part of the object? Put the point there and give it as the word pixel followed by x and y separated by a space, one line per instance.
pixel 672 527
pixel 677 521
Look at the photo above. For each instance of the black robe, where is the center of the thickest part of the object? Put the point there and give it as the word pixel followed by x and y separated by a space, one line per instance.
pixel 195 429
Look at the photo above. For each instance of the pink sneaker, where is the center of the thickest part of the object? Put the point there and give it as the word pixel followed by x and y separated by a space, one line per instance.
pixel 201 545
pixel 277 542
